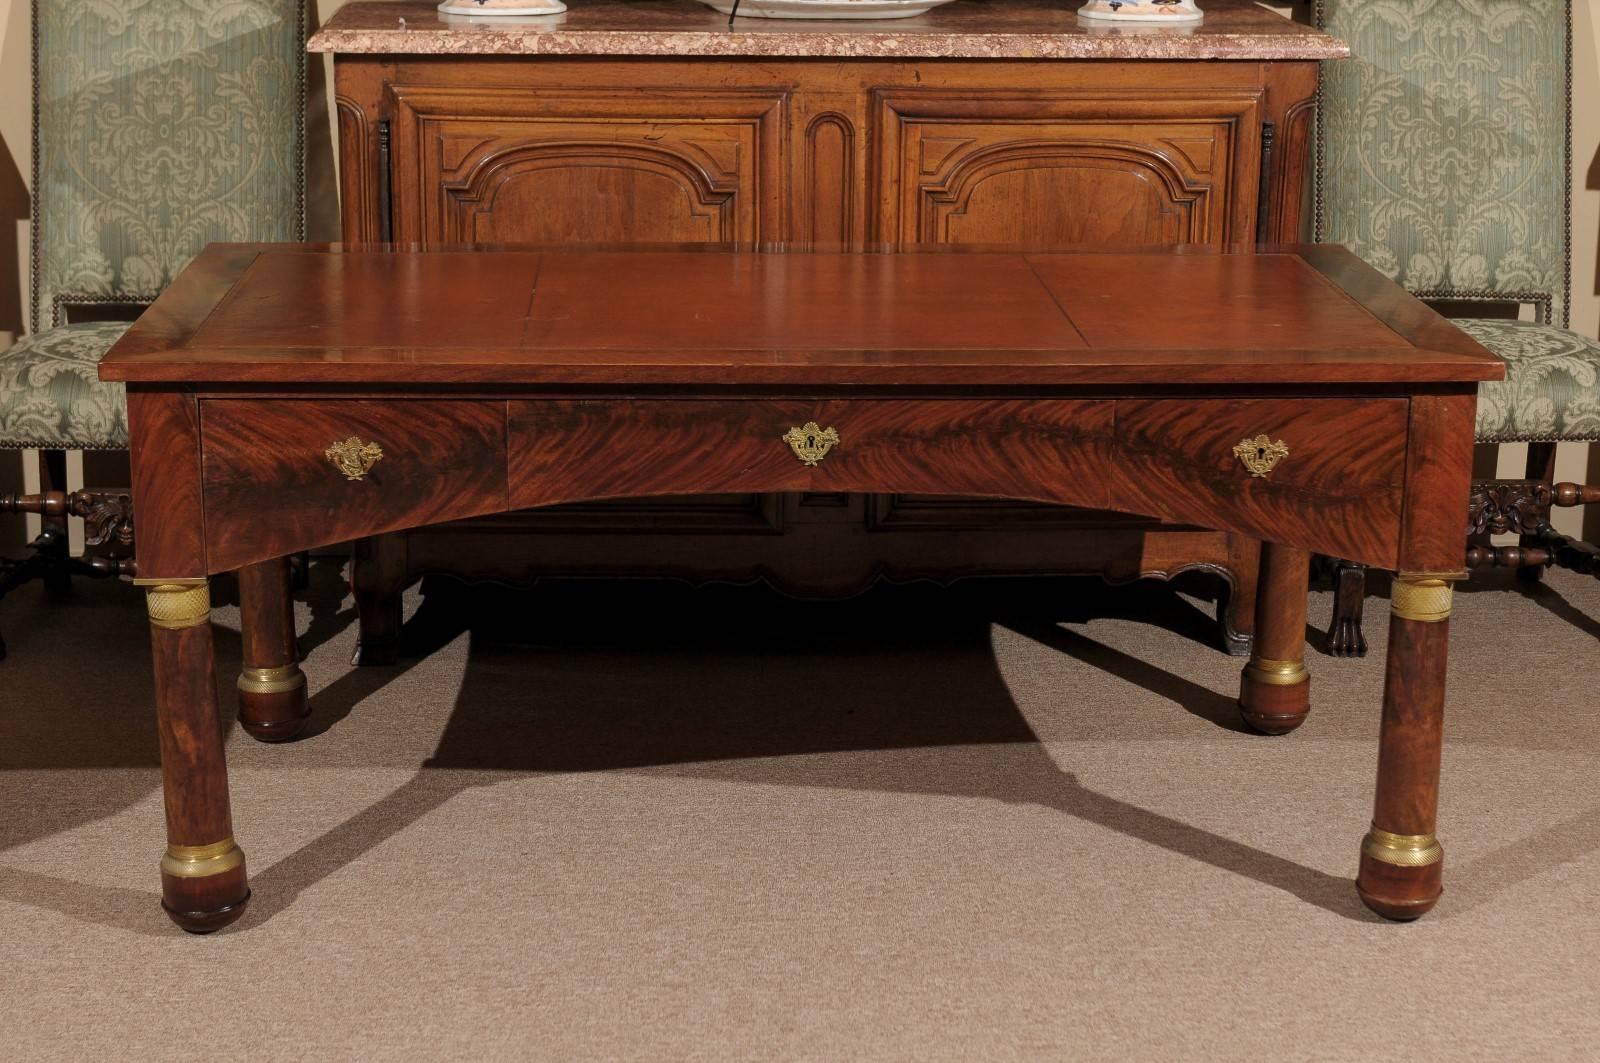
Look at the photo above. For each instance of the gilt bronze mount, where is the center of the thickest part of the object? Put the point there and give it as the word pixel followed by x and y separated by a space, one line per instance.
pixel 811 443
pixel 1261 455
pixel 354 458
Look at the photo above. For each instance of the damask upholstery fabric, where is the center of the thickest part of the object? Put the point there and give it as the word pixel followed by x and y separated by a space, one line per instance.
pixel 162 125
pixel 1552 387
pixel 51 395
pixel 1443 144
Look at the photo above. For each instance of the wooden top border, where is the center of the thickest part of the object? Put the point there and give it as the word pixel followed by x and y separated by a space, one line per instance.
pixel 299 314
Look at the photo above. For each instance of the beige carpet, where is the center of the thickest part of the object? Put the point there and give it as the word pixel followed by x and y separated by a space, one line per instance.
pixel 1012 822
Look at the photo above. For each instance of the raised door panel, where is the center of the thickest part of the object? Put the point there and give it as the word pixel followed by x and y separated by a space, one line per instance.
pixel 500 183
pixel 1056 171
pixel 501 166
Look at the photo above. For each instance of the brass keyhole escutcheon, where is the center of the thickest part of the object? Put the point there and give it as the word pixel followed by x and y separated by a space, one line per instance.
pixel 811 443
pixel 1261 455
pixel 354 458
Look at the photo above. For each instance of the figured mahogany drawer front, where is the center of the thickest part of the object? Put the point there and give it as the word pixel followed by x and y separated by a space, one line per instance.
pixel 287 475
pixel 1045 450
pixel 1324 474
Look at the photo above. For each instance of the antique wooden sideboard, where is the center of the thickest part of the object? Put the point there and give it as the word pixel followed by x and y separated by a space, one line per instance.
pixel 995 122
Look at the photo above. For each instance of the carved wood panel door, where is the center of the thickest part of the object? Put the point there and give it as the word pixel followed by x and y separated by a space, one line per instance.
pixel 1063 169
pixel 496 165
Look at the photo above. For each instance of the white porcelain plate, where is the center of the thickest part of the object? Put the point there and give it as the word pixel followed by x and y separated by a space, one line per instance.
pixel 502 7
pixel 827 9
pixel 1150 11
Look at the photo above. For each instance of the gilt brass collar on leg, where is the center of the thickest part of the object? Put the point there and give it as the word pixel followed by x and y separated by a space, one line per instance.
pixel 1424 597
pixel 1402 850
pixel 278 680
pixel 1276 673
pixel 175 604
pixel 202 861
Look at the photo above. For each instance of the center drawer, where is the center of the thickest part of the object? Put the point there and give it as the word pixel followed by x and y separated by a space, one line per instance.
pixel 1051 450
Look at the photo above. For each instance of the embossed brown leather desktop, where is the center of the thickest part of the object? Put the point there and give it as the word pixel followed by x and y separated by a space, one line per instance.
pixel 1295 396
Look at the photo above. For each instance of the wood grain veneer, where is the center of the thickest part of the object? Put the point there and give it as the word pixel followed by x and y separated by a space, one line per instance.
pixel 1049 450
pixel 1339 491
pixel 441 460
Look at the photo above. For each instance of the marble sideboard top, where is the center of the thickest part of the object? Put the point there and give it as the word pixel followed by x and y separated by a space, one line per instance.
pixel 965 29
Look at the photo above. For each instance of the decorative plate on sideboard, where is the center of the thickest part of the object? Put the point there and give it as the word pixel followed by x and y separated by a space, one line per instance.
pixel 502 8
pixel 827 9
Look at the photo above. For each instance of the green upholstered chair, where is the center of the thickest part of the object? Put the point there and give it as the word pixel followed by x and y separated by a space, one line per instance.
pixel 159 126
pixel 1444 159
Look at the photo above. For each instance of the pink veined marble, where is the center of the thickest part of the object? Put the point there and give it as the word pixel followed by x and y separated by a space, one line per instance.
pixel 1152 11
pixel 965 29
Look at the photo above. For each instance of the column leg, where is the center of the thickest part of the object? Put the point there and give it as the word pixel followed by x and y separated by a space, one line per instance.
pixel 1401 861
pixel 1275 688
pixel 203 882
pixel 272 690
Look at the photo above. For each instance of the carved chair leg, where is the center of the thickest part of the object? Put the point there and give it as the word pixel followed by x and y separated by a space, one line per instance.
pixel 108 522
pixel 1574 554
pixel 14 573
pixel 1401 861
pixel 272 689
pixel 1275 688
pixel 1541 468
pixel 203 881
pixel 55 544
pixel 378 576
pixel 1345 637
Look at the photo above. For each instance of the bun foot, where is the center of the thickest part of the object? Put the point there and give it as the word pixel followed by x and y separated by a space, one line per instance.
pixel 206 922
pixel 1398 890
pixel 1274 696
pixel 204 887
pixel 273 706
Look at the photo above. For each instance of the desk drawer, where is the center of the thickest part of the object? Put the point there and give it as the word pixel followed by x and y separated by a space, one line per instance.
pixel 272 486
pixel 1045 450
pixel 1337 491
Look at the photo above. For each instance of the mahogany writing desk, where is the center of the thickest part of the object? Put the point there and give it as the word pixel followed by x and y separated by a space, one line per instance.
pixel 282 398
